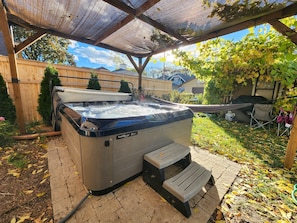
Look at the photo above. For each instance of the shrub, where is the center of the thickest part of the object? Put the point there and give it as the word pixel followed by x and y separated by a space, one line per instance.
pixel 184 98
pixel 6 131
pixel 7 108
pixel 94 82
pixel 44 100
pixel 124 87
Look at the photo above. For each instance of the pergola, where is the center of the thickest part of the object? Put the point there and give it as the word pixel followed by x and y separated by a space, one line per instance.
pixel 136 28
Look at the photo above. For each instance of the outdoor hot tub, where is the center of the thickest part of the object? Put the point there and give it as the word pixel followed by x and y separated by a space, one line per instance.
pixel 107 134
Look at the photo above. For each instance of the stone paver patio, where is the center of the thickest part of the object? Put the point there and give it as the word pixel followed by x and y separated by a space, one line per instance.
pixel 134 201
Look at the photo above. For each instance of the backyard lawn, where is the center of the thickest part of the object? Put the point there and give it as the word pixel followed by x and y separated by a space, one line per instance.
pixel 262 192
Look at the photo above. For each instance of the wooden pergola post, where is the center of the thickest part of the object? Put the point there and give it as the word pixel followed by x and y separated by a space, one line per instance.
pixel 291 147
pixel 139 68
pixel 13 69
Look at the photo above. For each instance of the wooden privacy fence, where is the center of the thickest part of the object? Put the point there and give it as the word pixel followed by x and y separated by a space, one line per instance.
pixel 32 72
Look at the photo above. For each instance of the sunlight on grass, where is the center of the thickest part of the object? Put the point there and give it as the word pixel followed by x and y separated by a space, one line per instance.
pixel 265 184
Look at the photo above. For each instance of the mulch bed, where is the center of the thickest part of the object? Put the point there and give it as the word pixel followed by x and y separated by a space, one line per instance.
pixel 25 194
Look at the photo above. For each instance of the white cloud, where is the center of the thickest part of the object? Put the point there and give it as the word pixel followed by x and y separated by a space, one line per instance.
pixel 98 56
pixel 73 44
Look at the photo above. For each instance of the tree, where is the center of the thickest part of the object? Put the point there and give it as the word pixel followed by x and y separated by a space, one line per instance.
pixel 49 80
pixel 7 108
pixel 50 48
pixel 94 82
pixel 266 56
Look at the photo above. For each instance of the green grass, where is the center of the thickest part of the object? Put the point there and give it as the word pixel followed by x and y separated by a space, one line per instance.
pixel 265 184
pixel 18 160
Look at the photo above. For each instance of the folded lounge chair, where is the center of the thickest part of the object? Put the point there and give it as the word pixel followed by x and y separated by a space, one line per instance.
pixel 262 116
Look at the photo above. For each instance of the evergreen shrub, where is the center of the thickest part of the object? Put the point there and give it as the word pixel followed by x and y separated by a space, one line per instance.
pixel 6 131
pixel 7 108
pixel 94 82
pixel 44 100
pixel 124 87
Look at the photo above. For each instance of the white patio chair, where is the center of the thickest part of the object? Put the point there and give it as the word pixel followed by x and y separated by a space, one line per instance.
pixel 262 116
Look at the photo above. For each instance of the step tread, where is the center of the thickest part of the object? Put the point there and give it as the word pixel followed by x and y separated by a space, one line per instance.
pixel 189 182
pixel 167 155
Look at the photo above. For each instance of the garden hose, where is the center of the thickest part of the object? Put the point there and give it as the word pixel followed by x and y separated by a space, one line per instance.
pixel 293 193
pixel 76 208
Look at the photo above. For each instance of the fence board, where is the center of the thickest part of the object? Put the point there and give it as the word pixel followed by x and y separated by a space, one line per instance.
pixel 31 74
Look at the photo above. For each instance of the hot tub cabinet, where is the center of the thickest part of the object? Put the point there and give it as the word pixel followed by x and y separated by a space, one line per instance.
pixel 107 137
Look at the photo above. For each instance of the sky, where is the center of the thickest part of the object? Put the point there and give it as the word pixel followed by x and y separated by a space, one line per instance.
pixel 94 57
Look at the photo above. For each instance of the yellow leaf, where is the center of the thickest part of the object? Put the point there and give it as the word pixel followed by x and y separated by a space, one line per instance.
pixel 195 210
pixel 14 172
pixel 235 192
pixel 13 220
pixel 28 191
pixel 29 166
pixel 43 181
pixel 34 172
pixel 5 157
pixel 252 201
pixel 285 207
pixel 24 217
pixel 40 170
pixel 283 213
pixel 46 175
pixel 40 194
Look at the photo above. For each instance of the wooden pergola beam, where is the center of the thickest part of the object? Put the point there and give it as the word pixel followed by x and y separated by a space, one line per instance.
pixel 13 69
pixel 284 30
pixel 139 68
pixel 138 13
pixel 30 40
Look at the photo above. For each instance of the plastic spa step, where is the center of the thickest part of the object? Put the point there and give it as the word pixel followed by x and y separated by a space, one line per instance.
pixel 167 155
pixel 189 182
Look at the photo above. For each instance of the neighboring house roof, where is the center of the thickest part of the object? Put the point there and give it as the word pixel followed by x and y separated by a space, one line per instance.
pixel 102 68
pixel 183 77
pixel 179 79
pixel 124 71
